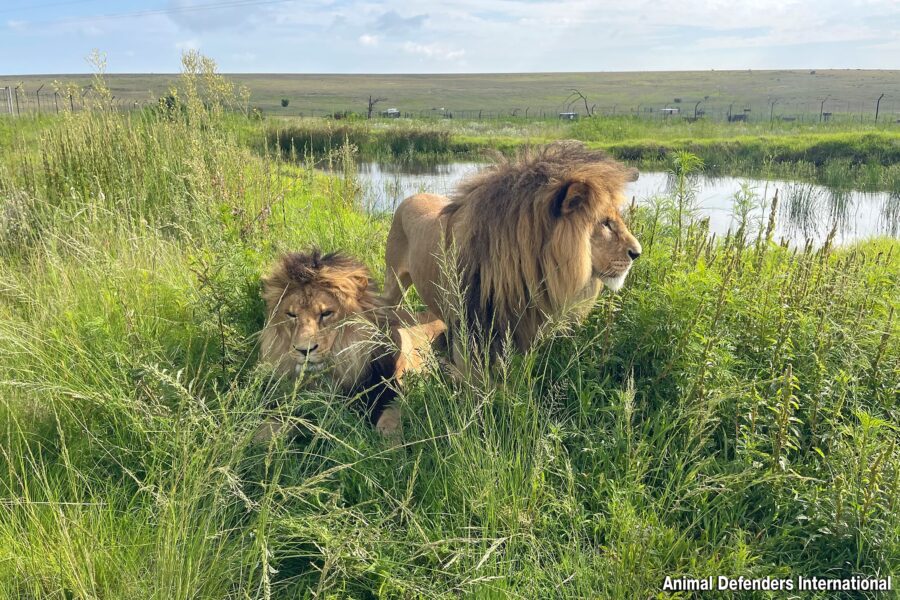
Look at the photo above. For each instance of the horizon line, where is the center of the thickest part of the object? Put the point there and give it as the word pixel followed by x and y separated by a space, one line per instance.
pixel 451 73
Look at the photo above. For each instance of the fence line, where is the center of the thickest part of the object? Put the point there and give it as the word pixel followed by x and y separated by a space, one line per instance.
pixel 16 101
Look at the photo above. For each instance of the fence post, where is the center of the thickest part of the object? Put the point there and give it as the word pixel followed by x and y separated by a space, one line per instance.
pixel 877 106
pixel 9 104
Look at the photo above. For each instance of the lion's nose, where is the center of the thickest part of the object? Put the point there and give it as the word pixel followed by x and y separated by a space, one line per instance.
pixel 307 350
pixel 634 254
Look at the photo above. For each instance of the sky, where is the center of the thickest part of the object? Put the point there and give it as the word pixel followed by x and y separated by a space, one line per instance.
pixel 449 36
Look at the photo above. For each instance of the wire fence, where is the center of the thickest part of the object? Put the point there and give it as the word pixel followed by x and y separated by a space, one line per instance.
pixel 16 101
pixel 833 109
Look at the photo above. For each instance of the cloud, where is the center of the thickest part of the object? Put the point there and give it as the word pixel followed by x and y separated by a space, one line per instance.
pixel 244 57
pixel 200 16
pixel 435 50
pixel 184 45
pixel 393 22
pixel 505 35
pixel 787 37
pixel 368 40
pixel 92 28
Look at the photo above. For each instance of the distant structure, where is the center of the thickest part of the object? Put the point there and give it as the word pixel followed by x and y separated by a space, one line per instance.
pixel 391 113
pixel 669 111
pixel 568 116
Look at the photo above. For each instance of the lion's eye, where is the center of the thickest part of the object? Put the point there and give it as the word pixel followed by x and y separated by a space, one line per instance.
pixel 291 315
pixel 326 313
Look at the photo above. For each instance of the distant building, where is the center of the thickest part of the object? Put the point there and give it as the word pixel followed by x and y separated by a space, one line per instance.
pixel 669 111
pixel 391 113
pixel 568 116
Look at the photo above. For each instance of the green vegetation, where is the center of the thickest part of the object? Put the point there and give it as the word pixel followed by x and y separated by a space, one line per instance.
pixel 840 155
pixel 732 411
pixel 869 161
pixel 850 149
pixel 406 141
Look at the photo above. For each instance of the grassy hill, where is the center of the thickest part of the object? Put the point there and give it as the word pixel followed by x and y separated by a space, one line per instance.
pixel 797 92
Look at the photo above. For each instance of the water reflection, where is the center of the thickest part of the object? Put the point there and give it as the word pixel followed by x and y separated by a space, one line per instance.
pixel 806 211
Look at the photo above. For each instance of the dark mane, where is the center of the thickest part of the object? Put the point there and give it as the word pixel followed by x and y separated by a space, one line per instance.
pixel 346 278
pixel 313 267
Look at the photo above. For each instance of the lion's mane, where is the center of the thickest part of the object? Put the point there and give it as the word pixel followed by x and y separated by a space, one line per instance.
pixel 359 349
pixel 520 259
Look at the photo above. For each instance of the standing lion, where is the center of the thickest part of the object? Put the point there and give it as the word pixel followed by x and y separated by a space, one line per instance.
pixel 536 237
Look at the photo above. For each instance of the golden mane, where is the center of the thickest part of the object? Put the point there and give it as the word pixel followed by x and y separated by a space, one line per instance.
pixel 358 343
pixel 322 310
pixel 522 231
pixel 347 279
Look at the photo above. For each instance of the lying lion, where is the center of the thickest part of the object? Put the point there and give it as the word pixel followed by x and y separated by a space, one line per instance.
pixel 323 315
pixel 537 237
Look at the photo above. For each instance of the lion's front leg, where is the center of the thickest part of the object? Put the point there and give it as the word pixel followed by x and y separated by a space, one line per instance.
pixel 389 424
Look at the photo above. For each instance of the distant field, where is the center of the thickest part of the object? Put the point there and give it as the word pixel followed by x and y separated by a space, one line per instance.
pixel 794 93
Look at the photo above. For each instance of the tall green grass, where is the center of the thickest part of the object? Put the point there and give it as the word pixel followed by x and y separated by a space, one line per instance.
pixel 863 156
pixel 321 138
pixel 732 411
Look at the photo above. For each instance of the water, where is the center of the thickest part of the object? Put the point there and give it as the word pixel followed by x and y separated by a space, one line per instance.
pixel 806 211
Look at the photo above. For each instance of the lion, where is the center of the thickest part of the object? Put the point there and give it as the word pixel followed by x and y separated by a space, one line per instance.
pixel 325 316
pixel 536 237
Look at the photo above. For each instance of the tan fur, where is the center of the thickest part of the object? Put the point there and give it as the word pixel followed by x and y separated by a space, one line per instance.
pixel 535 235
pixel 323 315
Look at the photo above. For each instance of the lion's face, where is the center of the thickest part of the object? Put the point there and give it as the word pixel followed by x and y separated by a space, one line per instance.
pixel 613 250
pixel 310 300
pixel 595 210
pixel 309 321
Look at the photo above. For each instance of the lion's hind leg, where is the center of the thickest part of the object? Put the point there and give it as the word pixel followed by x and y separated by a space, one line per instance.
pixel 395 283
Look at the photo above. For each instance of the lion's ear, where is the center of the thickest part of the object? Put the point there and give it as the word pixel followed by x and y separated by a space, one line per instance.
pixel 571 199
pixel 270 286
pixel 272 292
pixel 360 283
pixel 631 174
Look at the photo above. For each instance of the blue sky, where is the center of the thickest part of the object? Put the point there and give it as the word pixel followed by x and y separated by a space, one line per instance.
pixel 435 36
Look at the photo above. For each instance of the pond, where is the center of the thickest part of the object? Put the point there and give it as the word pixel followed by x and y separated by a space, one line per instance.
pixel 806 211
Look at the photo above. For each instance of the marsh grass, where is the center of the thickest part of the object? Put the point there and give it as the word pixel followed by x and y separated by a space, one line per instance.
pixel 838 155
pixel 732 411
pixel 404 142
